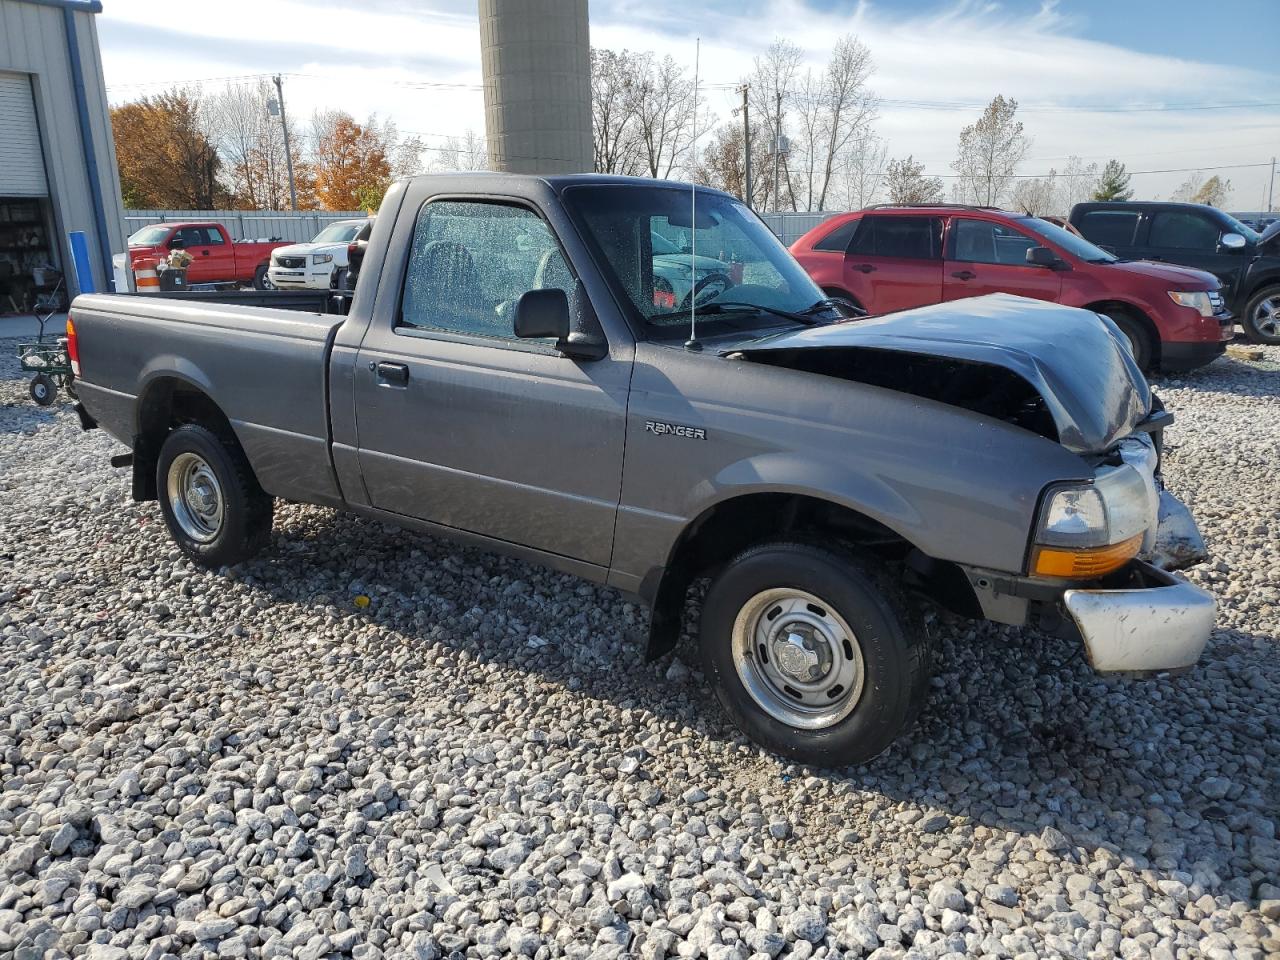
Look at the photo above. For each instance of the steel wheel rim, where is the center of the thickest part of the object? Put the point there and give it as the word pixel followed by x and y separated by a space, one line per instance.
pixel 195 496
pixel 797 658
pixel 1266 317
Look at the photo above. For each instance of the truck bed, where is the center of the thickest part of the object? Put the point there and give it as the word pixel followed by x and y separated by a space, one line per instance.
pixel 266 369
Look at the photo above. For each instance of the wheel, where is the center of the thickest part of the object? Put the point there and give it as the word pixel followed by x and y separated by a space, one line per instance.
pixel 1261 320
pixel 211 502
pixel 716 283
pixel 816 654
pixel 260 279
pixel 1140 344
pixel 43 390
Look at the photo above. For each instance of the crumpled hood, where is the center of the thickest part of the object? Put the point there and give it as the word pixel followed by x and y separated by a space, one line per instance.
pixel 1072 358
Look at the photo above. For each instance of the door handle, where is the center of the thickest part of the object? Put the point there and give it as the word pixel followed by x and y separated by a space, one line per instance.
pixel 865 268
pixel 204 253
pixel 964 274
pixel 396 374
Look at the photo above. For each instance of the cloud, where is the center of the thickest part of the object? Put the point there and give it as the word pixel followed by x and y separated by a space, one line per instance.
pixel 963 53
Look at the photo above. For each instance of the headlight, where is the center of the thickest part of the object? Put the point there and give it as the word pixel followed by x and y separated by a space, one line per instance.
pixel 1195 299
pixel 1087 530
pixel 319 258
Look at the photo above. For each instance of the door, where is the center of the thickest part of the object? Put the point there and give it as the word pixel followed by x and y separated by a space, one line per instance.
pixel 208 258
pixel 895 262
pixel 461 423
pixel 21 159
pixel 1191 238
pixel 984 256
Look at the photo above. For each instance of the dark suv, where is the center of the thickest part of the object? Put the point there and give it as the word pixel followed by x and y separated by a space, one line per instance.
pixel 890 258
pixel 1194 235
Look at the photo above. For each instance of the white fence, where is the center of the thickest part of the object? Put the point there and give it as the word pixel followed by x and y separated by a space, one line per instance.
pixel 295 226
pixel 300 226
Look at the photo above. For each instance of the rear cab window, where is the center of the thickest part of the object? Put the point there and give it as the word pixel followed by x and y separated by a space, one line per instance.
pixel 1114 228
pixel 903 237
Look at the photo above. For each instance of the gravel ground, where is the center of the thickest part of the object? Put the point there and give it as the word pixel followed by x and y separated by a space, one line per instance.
pixel 478 763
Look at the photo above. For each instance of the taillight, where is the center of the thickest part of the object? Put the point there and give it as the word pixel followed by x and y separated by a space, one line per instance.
pixel 73 347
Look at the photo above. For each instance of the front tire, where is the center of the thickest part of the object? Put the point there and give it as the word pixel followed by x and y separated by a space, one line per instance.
pixel 211 502
pixel 1261 320
pixel 815 654
pixel 260 279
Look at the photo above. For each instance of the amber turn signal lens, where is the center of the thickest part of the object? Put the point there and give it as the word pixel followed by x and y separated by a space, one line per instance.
pixel 1084 564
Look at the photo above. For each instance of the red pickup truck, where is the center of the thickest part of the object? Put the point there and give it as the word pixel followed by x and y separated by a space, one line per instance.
pixel 893 257
pixel 215 257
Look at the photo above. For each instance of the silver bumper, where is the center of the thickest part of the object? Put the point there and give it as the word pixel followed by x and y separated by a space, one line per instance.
pixel 1160 623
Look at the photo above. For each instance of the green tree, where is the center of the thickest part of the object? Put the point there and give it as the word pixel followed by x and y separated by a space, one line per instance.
pixel 1114 183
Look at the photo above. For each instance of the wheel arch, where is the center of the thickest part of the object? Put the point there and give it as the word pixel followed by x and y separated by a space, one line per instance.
pixel 731 525
pixel 167 400
pixel 1137 314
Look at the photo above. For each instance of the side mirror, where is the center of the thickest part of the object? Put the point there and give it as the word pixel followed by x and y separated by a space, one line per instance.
pixel 1044 257
pixel 1232 241
pixel 542 313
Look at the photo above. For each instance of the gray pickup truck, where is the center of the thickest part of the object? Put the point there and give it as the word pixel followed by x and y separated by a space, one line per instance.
pixel 512 374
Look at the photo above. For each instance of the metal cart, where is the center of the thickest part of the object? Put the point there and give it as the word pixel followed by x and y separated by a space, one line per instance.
pixel 47 358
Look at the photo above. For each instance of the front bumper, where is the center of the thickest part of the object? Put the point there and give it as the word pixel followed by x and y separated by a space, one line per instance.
pixel 299 279
pixel 1154 623
pixel 1180 356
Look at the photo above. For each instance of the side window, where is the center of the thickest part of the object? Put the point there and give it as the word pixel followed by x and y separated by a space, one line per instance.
pixel 981 241
pixel 864 237
pixel 191 237
pixel 1114 228
pixel 838 239
pixel 912 238
pixel 471 261
pixel 1183 230
pixel 213 236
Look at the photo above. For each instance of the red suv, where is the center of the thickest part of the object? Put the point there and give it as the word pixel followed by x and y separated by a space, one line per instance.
pixel 890 258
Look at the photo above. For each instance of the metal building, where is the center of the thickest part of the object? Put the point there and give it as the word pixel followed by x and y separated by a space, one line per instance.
pixel 60 210
pixel 536 59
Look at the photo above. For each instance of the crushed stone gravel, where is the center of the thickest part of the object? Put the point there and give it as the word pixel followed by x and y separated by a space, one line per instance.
pixel 479 764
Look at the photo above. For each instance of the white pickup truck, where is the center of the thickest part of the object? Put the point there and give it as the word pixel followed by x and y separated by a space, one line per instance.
pixel 311 266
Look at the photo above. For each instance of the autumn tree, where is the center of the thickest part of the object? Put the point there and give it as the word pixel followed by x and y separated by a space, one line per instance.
pixel 988 153
pixel 1196 189
pixel 905 182
pixel 352 162
pixel 165 158
pixel 1114 183
pixel 723 162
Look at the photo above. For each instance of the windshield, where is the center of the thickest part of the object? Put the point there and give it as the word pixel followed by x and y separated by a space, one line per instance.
pixel 736 268
pixel 343 232
pixel 1075 245
pixel 149 236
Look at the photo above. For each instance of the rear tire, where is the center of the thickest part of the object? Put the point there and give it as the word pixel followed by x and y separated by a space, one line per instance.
pixel 212 504
pixel 1139 339
pixel 816 655
pixel 1261 320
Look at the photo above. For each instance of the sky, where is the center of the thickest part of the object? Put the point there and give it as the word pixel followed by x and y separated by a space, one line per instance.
pixel 1161 85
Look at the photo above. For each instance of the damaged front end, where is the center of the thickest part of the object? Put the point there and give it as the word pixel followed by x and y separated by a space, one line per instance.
pixel 1100 559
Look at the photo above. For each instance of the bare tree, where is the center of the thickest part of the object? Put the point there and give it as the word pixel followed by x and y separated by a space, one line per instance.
pixel 1037 196
pixel 849 107
pixel 772 86
pixel 468 152
pixel 989 152
pixel 250 142
pixel 905 182
pixel 663 94
pixel 1076 184
pixel 722 164
pixel 614 105
pixel 864 170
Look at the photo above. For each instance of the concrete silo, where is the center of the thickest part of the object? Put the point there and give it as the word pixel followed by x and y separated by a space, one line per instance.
pixel 536 58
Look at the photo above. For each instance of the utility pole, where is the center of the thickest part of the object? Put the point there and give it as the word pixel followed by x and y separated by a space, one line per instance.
pixel 746 140
pixel 288 151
